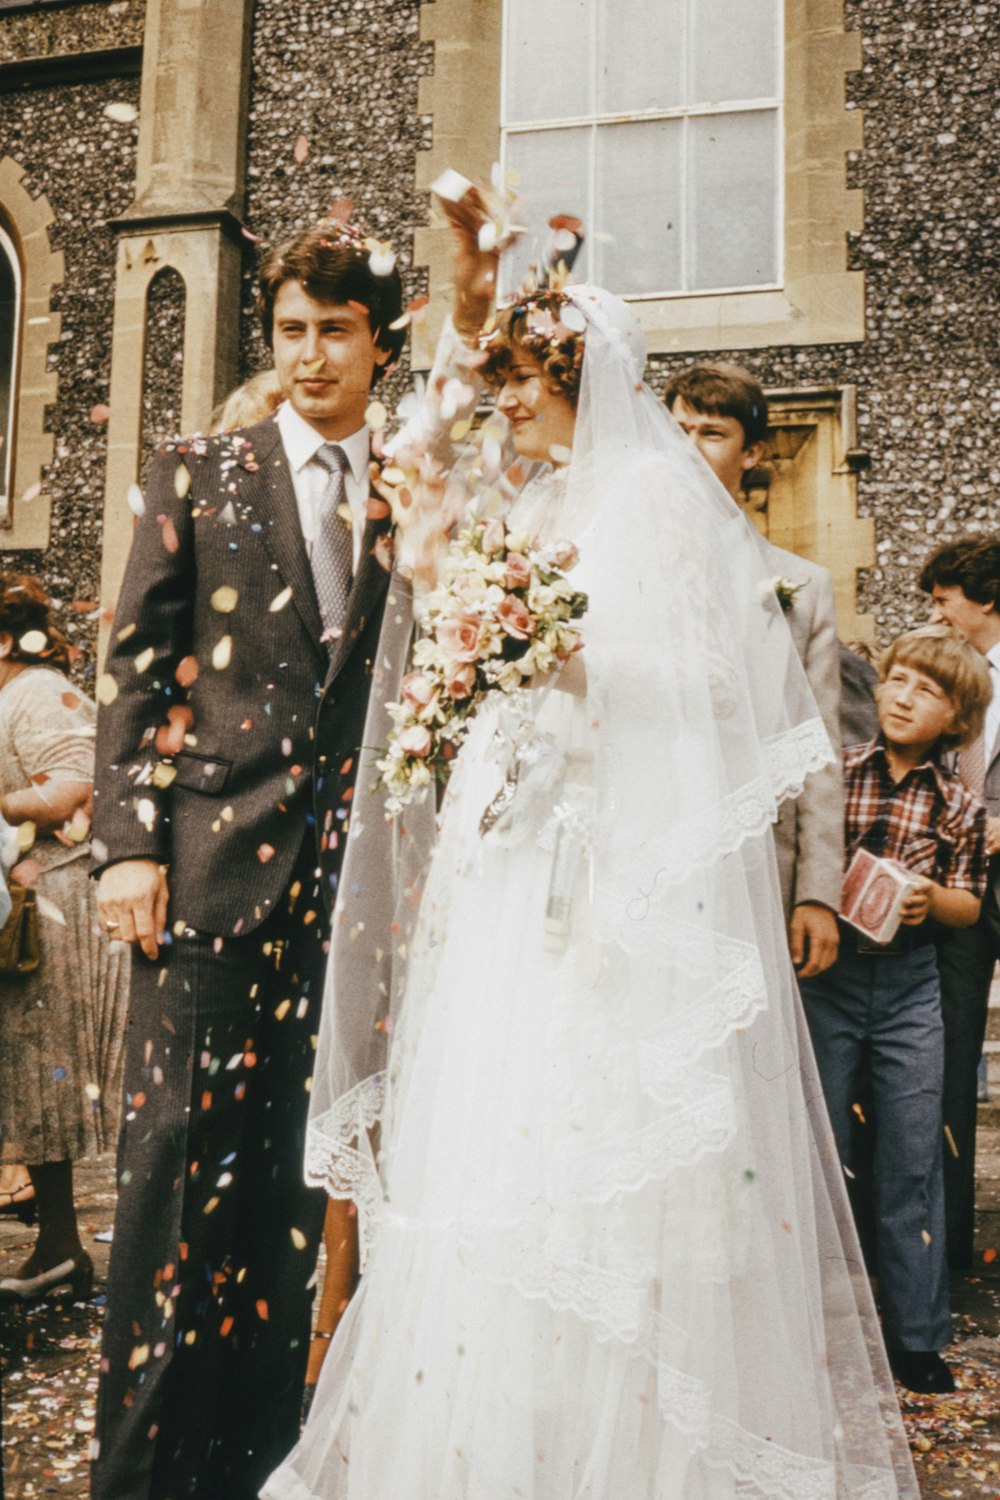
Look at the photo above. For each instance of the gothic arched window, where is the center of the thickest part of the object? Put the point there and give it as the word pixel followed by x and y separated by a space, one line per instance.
pixel 10 338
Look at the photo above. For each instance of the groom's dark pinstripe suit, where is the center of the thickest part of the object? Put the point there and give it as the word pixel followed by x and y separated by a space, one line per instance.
pixel 215 1241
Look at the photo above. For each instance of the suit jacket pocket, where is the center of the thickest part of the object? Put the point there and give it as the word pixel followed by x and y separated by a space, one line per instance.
pixel 201 773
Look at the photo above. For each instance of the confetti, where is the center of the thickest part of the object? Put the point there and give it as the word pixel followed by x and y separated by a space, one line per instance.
pixel 224 599
pixel 222 653
pixel 136 500
pixel 121 112
pixel 99 414
pixel 382 261
pixel 376 415
pixel 187 671
pixel 301 149
pixel 106 690
pixel 279 601
pixel 182 481
pixel 33 641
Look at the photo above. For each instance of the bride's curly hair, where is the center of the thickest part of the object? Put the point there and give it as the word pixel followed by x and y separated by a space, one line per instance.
pixel 26 615
pixel 534 326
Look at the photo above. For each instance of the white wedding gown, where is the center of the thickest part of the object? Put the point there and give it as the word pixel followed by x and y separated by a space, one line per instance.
pixel 614 1259
pixel 607 1245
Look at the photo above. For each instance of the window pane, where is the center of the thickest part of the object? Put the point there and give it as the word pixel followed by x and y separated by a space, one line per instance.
pixel 638 207
pixel 548 73
pixel 553 166
pixel 732 200
pixel 640 55
pixel 734 50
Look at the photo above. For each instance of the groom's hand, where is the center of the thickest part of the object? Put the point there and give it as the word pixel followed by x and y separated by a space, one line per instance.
pixel 132 901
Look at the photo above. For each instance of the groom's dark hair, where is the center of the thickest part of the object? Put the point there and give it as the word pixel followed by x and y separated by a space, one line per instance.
pixel 332 262
pixel 722 390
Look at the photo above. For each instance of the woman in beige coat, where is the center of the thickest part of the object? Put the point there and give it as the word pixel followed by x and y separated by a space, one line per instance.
pixel 62 1026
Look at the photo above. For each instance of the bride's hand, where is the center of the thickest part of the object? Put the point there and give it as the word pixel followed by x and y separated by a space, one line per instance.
pixel 474 270
pixel 569 678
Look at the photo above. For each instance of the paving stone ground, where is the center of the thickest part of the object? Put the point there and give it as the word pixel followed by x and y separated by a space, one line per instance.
pixel 50 1359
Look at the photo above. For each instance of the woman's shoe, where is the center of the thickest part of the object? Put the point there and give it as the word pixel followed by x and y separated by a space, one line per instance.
pixel 70 1279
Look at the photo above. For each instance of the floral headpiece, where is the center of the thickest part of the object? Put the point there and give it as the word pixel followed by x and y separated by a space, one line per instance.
pixel 552 320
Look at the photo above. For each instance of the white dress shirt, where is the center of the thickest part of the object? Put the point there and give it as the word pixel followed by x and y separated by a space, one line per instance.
pixel 301 443
pixel 991 728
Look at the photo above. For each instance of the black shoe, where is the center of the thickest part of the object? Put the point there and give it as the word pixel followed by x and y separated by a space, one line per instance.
pixel 921 1370
pixel 70 1279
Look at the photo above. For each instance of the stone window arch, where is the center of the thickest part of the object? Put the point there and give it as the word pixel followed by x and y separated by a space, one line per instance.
pixel 25 222
pixel 10 344
pixel 163 361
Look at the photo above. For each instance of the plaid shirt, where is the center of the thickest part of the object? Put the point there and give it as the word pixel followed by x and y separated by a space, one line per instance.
pixel 929 821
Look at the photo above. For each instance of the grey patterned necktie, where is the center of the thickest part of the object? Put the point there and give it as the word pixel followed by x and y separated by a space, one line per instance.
pixel 333 550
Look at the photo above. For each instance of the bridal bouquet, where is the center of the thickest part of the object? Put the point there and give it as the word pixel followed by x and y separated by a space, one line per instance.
pixel 502 613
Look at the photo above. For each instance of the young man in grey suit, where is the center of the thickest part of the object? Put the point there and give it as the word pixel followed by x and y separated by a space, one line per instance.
pixel 234 698
pixel 963 580
pixel 723 411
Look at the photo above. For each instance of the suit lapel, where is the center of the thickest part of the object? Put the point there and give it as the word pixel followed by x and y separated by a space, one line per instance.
pixel 274 502
pixel 993 754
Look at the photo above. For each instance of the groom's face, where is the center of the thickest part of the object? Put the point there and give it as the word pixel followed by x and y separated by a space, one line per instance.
pixel 325 355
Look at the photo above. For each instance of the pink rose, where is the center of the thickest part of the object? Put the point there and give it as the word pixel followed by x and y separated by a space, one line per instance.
pixel 493 537
pixel 517 571
pixel 417 690
pixel 416 740
pixel 565 555
pixel 515 619
pixel 462 681
pixel 460 636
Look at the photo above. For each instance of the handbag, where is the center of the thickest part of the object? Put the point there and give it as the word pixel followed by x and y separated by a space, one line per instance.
pixel 20 950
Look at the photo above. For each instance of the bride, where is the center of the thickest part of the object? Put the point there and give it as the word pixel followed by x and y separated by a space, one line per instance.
pixel 607 1252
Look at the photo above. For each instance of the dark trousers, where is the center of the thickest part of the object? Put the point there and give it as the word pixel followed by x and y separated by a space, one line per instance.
pixel 216 1235
pixel 886 1007
pixel 967 957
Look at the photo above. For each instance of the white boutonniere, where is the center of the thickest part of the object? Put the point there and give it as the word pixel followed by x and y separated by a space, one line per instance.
pixel 785 591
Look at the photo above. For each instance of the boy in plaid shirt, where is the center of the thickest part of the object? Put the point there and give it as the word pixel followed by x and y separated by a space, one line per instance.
pixel 884 1002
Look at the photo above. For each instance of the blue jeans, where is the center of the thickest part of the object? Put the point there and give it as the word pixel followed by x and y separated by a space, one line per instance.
pixel 888 1007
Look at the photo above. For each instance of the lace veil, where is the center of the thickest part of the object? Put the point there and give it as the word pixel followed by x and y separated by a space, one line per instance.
pixel 691 595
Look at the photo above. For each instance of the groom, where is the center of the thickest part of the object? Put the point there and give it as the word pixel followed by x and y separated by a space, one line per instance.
pixel 234 699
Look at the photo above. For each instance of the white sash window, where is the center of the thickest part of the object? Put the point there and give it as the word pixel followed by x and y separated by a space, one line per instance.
pixel 658 123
